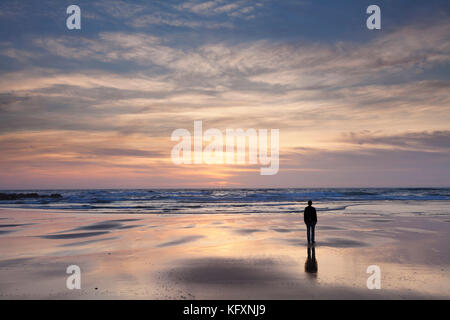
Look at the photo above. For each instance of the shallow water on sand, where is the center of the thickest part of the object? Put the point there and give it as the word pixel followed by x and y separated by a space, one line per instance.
pixel 221 256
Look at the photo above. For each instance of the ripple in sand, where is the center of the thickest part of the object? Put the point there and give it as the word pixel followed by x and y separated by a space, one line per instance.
pixel 247 231
pixel 123 220
pixel 379 220
pixel 414 230
pixel 130 227
pixel 179 241
pixel 83 243
pixel 284 230
pixel 108 225
pixel 341 243
pixel 13 262
pixel 327 228
pixel 73 235
pixel 15 225
pixel 105 225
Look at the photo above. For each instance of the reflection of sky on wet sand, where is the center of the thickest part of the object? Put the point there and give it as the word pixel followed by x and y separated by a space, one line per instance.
pixel 220 256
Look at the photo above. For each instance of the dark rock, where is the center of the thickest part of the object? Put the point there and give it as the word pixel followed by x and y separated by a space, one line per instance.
pixel 21 196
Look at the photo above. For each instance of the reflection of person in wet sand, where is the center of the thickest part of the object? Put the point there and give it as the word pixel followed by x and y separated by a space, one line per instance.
pixel 311 262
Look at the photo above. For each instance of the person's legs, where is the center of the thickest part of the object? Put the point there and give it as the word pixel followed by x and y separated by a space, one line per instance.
pixel 313 227
pixel 308 231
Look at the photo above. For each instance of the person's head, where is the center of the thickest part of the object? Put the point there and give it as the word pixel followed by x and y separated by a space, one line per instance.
pixel 309 202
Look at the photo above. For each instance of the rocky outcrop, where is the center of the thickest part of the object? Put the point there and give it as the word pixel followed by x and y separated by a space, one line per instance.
pixel 22 196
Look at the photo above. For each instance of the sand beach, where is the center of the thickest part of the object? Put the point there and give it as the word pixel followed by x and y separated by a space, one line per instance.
pixel 221 256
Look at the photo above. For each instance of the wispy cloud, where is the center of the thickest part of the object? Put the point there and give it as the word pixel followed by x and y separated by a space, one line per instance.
pixel 243 8
pixel 189 14
pixel 175 21
pixel 432 141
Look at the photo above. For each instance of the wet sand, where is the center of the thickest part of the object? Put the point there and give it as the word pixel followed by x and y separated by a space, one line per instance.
pixel 135 256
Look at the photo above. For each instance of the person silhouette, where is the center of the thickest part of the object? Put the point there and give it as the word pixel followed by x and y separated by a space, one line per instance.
pixel 311 262
pixel 310 218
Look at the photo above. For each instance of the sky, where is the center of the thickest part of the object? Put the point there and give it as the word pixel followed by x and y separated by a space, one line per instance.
pixel 95 108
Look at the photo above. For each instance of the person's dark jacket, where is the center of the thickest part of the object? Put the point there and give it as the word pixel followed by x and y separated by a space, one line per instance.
pixel 310 215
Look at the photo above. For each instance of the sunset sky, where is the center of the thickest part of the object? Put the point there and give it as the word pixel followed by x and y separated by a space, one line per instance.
pixel 95 108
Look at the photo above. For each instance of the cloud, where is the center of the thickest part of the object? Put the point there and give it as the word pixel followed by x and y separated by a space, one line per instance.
pixel 80 147
pixel 120 9
pixel 276 64
pixel 217 7
pixel 357 167
pixel 34 79
pixel 435 140
pixel 109 101
pixel 188 15
pixel 193 83
pixel 173 20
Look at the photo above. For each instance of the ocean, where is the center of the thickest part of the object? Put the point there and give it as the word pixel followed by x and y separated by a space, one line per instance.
pixel 415 201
